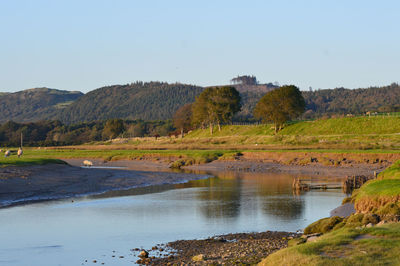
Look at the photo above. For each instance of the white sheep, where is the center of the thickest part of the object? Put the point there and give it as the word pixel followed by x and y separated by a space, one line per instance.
pixel 87 163
pixel 20 152
pixel 7 153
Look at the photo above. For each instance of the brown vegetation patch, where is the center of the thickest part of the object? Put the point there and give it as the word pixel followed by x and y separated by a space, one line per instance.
pixel 334 159
pixel 371 204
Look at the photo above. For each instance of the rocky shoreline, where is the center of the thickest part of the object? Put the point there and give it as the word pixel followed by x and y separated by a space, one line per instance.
pixel 239 248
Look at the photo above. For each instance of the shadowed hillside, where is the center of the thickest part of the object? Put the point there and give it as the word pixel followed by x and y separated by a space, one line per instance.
pixel 147 101
pixel 34 104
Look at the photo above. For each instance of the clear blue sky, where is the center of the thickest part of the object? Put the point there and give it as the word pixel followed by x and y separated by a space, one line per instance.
pixel 83 45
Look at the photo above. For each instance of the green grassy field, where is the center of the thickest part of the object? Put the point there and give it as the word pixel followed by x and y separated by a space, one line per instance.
pixel 332 126
pixel 337 133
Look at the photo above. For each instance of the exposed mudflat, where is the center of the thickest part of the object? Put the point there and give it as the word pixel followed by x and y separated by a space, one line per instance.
pixel 314 169
pixel 44 182
pixel 55 181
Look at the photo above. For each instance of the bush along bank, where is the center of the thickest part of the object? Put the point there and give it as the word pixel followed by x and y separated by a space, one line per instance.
pixel 369 236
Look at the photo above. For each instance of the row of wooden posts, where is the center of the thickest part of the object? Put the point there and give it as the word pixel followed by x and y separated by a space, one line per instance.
pixel 347 185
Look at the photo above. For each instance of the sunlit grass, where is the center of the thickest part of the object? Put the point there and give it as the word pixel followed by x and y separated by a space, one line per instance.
pixel 379 246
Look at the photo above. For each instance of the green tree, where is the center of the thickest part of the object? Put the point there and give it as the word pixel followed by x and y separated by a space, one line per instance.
pixel 216 105
pixel 183 118
pixel 113 128
pixel 280 105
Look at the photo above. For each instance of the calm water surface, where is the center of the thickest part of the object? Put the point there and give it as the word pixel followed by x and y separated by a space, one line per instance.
pixel 97 227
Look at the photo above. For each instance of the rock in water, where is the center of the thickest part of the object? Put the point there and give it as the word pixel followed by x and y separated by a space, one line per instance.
pixel 143 254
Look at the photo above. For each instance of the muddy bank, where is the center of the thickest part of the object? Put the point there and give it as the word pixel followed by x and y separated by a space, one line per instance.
pixel 303 170
pixel 54 181
pixel 137 165
pixel 44 182
pixel 230 249
pixel 248 165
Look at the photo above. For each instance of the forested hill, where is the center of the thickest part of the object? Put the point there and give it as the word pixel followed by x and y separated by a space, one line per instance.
pixel 357 101
pixel 147 101
pixel 159 101
pixel 34 104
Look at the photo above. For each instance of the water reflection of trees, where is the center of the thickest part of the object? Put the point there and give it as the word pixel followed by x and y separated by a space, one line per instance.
pixel 275 191
pixel 231 191
pixel 222 198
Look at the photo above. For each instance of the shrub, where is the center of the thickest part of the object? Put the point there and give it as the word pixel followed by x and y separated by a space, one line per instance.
pixel 354 220
pixel 370 218
pixel 390 209
pixel 324 225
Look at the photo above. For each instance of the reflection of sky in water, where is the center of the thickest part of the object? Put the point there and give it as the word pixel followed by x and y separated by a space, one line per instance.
pixel 67 233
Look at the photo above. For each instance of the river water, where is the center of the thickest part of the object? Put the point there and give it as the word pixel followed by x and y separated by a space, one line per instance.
pixel 105 227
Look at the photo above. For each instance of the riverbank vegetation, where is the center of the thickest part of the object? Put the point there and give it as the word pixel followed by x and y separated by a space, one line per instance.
pixel 347 246
pixel 28 161
pixel 369 237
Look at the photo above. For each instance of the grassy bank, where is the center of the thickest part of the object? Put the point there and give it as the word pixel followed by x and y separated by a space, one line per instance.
pixel 346 246
pixel 332 126
pixel 41 156
pixel 377 193
pixel 348 241
pixel 180 158
pixel 14 161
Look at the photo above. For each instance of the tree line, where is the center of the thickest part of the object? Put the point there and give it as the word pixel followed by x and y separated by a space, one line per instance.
pixel 55 133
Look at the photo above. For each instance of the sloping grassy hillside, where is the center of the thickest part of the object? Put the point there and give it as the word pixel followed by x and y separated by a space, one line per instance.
pixel 348 125
pixel 368 246
pixel 333 126
pixel 336 133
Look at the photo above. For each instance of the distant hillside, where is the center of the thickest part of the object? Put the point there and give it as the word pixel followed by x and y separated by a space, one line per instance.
pixel 159 101
pixel 357 101
pixel 251 94
pixel 34 104
pixel 147 101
